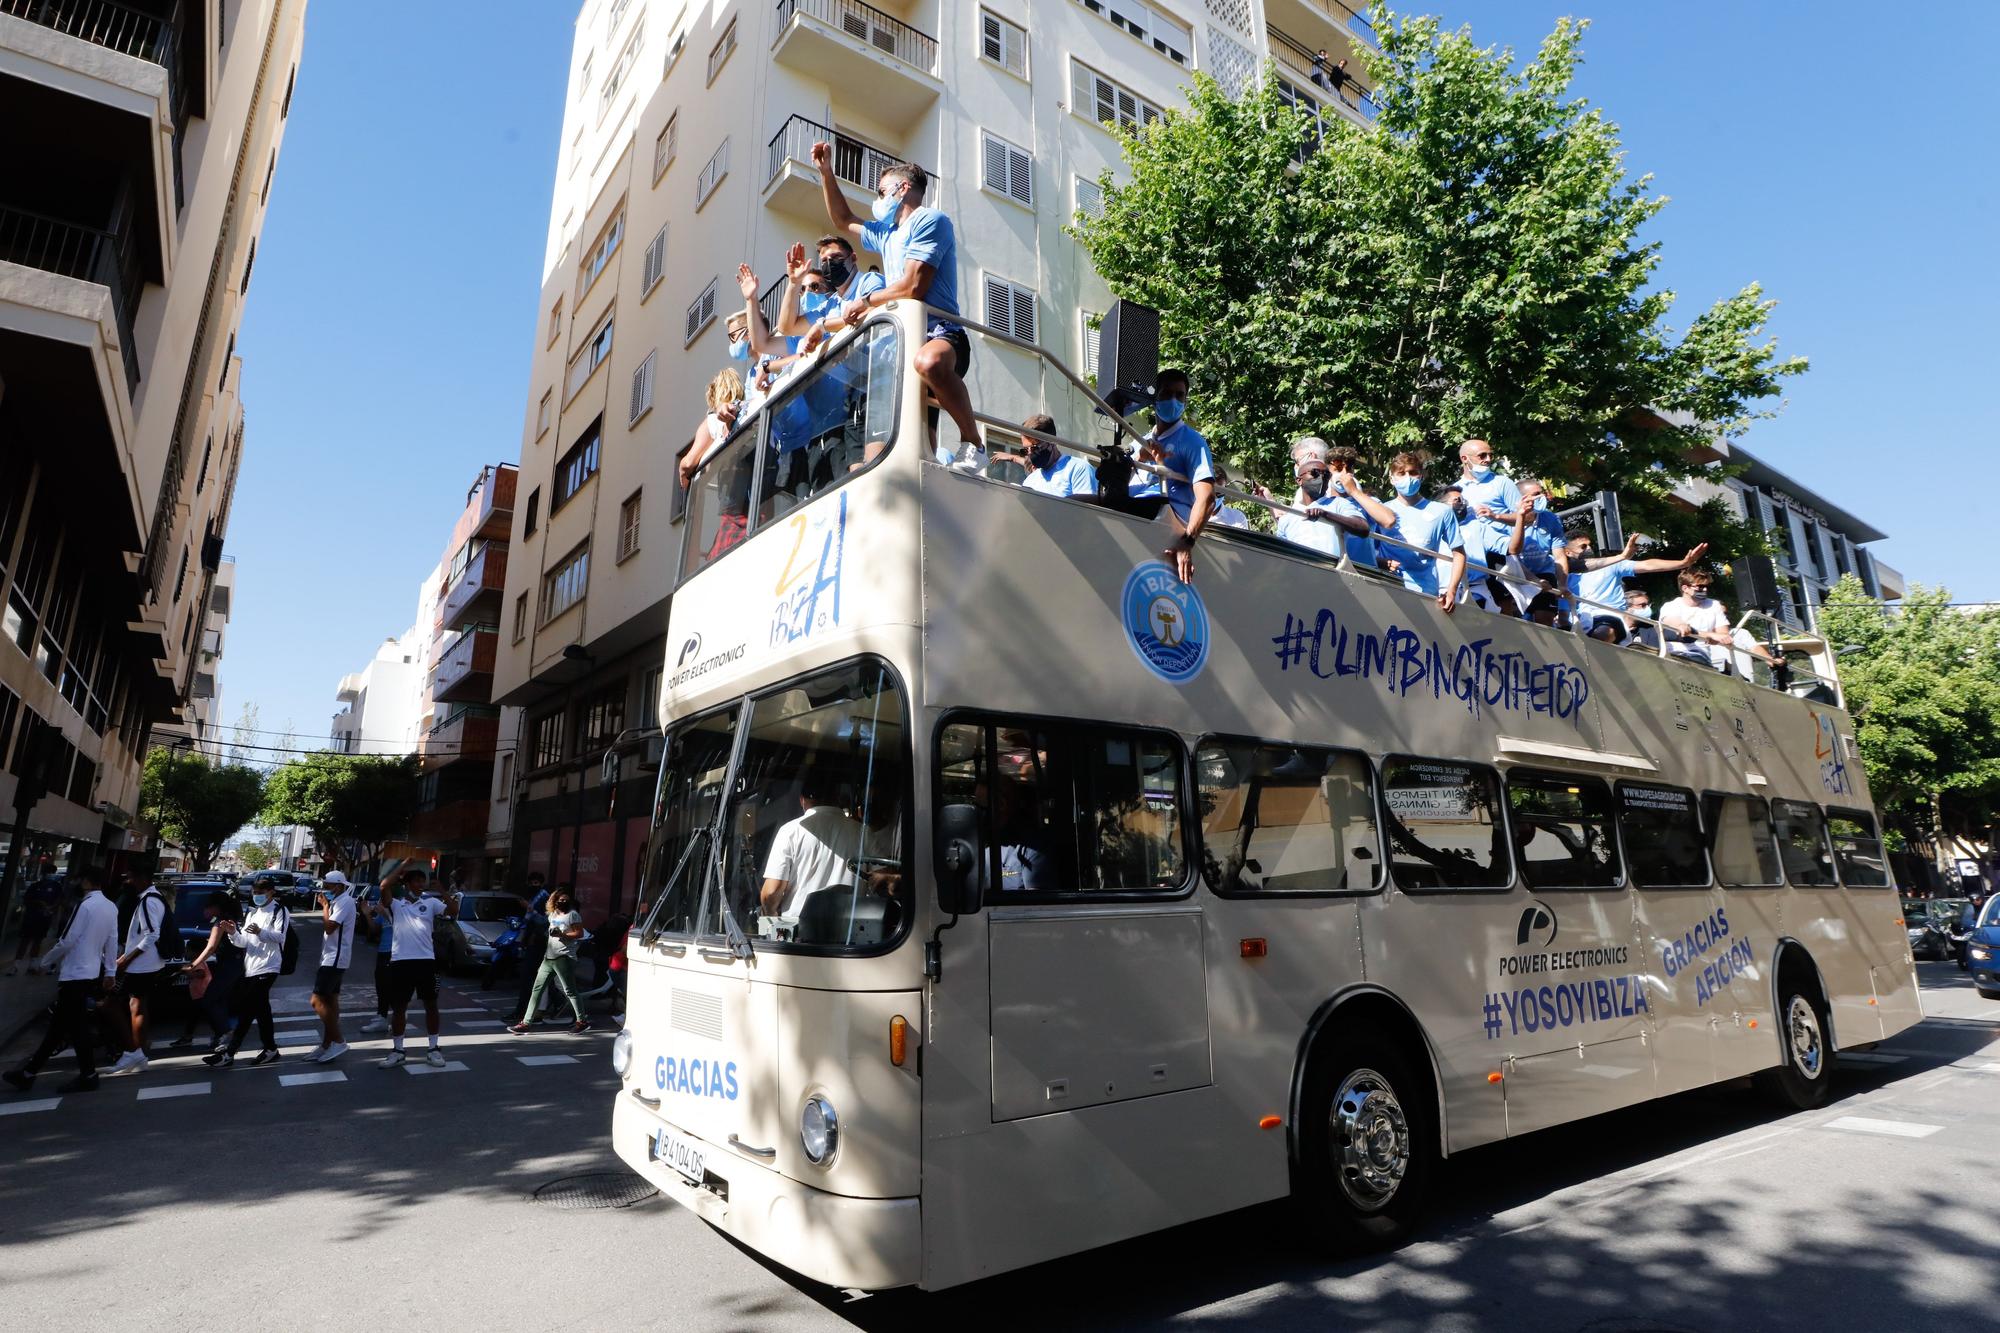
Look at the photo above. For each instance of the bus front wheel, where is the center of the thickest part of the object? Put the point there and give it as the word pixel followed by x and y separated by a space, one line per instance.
pixel 1805 1078
pixel 1367 1145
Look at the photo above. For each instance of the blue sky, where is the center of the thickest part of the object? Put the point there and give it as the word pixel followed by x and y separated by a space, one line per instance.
pixel 397 282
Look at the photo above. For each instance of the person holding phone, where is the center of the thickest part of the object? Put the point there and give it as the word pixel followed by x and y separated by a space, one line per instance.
pixel 336 952
pixel 558 961
pixel 262 940
pixel 405 910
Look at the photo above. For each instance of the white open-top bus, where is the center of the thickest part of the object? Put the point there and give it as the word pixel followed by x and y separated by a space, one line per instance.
pixel 1010 897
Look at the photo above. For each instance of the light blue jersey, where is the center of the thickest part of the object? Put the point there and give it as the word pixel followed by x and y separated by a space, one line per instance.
pixel 1321 536
pixel 1068 475
pixel 1183 450
pixel 927 238
pixel 1430 526
pixel 1497 492
pixel 1605 586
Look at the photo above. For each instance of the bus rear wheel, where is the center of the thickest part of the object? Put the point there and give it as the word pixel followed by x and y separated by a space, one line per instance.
pixel 1367 1145
pixel 1805 1078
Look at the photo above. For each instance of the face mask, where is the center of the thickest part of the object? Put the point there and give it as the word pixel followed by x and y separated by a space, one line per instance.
pixel 1542 502
pixel 1407 487
pixel 1314 486
pixel 1042 455
pixel 260 899
pixel 1697 594
pixel 739 349
pixel 1168 410
pixel 1481 471
pixel 886 206
pixel 835 270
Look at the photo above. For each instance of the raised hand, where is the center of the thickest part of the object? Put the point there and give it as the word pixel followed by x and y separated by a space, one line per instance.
pixel 746 282
pixel 822 156
pixel 796 263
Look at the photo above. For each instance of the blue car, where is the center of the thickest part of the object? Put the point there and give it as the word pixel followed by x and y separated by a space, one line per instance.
pixel 1982 950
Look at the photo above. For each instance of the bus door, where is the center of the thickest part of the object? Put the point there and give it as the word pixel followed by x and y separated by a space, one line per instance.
pixel 1849 955
pixel 1874 907
pixel 1727 957
pixel 1571 998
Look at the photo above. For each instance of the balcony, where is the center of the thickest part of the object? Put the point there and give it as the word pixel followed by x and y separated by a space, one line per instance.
pixel 475 596
pixel 491 503
pixel 108 260
pixel 846 44
pixel 468 735
pixel 101 23
pixel 464 674
pixel 1295 59
pixel 791 181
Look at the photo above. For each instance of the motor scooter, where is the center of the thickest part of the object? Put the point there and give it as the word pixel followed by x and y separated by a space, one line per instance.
pixel 506 957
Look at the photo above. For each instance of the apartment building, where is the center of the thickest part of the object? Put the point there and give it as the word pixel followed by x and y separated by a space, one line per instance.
pixel 383 702
pixel 460 724
pixel 136 166
pixel 684 151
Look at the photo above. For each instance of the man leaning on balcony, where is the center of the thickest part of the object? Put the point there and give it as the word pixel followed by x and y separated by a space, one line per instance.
pixel 920 260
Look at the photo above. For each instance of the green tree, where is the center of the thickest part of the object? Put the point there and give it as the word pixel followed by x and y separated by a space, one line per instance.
pixel 256 855
pixel 351 804
pixel 198 804
pixel 1469 265
pixel 1924 690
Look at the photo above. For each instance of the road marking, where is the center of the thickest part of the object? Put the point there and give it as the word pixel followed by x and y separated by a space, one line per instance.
pixel 300 1080
pixel 538 1061
pixel 23 1108
pixel 1901 1129
pixel 475 1009
pixel 448 1067
pixel 482 1022
pixel 295 1038
pixel 175 1090
pixel 1870 1058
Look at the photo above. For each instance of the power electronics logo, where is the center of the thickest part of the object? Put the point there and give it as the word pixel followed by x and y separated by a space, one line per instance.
pixel 689 662
pixel 688 649
pixel 1538 927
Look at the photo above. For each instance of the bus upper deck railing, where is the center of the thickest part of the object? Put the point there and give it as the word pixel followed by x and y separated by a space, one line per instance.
pixel 1781 658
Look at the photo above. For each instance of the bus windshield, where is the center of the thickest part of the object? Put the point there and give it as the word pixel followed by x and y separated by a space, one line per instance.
pixel 804 813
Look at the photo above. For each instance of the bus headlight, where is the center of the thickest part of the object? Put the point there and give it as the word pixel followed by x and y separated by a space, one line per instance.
pixel 621 1052
pixel 819 1130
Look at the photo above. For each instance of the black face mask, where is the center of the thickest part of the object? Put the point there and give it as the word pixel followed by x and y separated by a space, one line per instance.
pixel 1314 486
pixel 1041 455
pixel 835 270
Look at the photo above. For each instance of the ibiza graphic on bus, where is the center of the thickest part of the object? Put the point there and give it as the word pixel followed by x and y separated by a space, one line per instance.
pixel 1166 623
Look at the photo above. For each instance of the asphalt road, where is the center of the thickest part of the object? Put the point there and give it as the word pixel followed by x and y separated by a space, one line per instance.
pixel 393 1199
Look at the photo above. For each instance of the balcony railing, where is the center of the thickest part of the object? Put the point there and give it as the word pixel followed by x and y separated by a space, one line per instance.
pixel 1356 19
pixel 1299 57
pixel 102 23
pixel 476 590
pixel 865 23
pixel 464 670
pixel 853 161
pixel 109 259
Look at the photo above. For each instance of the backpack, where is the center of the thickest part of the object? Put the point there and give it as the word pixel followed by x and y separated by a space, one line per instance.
pixel 169 943
pixel 290 961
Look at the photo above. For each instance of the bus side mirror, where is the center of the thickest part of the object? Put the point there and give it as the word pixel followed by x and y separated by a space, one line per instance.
pixel 959 860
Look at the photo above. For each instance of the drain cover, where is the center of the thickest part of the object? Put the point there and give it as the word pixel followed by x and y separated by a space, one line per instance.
pixel 602 1189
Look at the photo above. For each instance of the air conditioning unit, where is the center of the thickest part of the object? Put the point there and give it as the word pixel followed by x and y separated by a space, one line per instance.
pixel 656 749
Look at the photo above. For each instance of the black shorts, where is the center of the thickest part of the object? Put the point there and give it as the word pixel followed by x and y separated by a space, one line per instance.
pixel 140 985
pixel 326 982
pixel 413 976
pixel 953 334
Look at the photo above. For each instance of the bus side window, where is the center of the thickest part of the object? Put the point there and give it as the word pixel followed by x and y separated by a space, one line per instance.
pixel 1802 843
pixel 1286 819
pixel 1444 823
pixel 1663 843
pixel 1857 849
pixel 1740 841
pixel 1562 830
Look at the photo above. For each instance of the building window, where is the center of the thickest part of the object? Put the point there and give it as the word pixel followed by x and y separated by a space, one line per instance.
pixel 612 14
pixel 701 312
pixel 591 355
pixel 1010 308
pixel 628 526
pixel 545 414
pixel 642 387
pixel 616 78
pixel 249 262
pixel 712 174
pixel 719 57
pixel 555 322
pixel 578 466
pixel 1007 170
pixel 600 718
pixel 201 473
pixel 1092 326
pixel 533 519
pixel 506 780
pixel 564 586
pixel 1156 28
pixel 228 355
pixel 548 740
pixel 600 254
pixel 1003 43
pixel 666 146
pixel 270 170
pixel 674 49
pixel 180 579
pixel 1089 198
pixel 285 109
pixel 1097 98
pixel 583 79
pixel 656 263
pixel 520 617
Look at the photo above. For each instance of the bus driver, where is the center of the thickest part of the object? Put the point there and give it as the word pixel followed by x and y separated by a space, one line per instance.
pixel 813 852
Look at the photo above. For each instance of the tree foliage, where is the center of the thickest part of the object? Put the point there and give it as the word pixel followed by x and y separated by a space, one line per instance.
pixel 1469 265
pixel 256 855
pixel 351 804
pixel 198 804
pixel 1924 690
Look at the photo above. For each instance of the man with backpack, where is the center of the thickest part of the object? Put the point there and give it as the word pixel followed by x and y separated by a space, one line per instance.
pixel 149 937
pixel 269 951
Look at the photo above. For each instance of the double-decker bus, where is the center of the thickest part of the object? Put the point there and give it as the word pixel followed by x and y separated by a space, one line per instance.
pixel 1009 897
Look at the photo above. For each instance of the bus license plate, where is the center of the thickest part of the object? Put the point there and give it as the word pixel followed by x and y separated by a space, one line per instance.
pixel 683 1156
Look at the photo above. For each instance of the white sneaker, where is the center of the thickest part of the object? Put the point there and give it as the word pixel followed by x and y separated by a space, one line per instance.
pixel 392 1060
pixel 129 1063
pixel 434 1058
pixel 971 457
pixel 376 1024
pixel 312 1056
pixel 331 1053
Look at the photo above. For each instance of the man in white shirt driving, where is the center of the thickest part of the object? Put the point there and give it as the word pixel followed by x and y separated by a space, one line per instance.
pixel 813 852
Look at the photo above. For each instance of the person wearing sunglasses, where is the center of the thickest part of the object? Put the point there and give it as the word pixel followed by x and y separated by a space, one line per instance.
pixel 1335 507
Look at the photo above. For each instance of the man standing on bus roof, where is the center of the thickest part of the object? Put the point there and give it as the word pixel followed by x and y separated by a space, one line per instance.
pixel 919 259
pixel 1427 525
pixel 1333 504
pixel 1601 578
pixel 1181 451
pixel 843 279
pixel 1491 500
pixel 813 852
pixel 1542 550
pixel 1050 470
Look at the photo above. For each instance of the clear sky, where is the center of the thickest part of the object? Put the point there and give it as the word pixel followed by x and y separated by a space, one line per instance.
pixel 397 282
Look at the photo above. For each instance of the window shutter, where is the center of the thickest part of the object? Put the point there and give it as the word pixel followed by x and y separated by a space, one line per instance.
pixel 656 262
pixel 995 155
pixel 1089 198
pixel 642 386
pixel 992 43
pixel 1024 315
pixel 1079 89
pixel 1021 176
pixel 1091 329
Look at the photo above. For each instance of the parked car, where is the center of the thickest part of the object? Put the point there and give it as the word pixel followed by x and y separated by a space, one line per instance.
pixel 1926 928
pixel 1982 950
pixel 482 919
